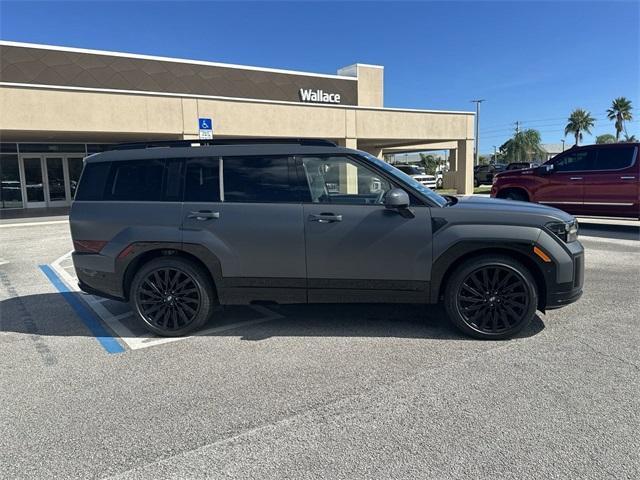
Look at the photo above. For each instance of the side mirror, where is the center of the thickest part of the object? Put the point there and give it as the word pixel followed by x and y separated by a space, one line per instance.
pixel 546 169
pixel 396 199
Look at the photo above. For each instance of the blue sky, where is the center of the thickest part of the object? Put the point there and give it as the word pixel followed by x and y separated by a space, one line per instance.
pixel 532 61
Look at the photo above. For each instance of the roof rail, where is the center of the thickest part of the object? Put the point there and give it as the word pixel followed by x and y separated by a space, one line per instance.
pixel 222 141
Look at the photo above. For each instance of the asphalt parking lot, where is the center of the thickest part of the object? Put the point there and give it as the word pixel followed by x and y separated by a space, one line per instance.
pixel 294 392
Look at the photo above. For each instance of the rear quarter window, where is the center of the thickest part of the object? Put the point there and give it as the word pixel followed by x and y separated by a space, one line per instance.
pixel 92 181
pixel 139 180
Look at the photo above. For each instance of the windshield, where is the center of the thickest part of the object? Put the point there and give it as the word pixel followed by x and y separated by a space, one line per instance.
pixel 412 170
pixel 394 172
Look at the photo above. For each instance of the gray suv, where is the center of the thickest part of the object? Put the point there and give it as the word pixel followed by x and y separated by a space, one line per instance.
pixel 177 228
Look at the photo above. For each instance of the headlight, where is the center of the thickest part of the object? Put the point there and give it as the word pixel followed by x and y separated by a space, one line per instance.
pixel 567 231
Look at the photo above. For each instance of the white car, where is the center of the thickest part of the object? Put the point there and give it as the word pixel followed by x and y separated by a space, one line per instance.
pixel 418 174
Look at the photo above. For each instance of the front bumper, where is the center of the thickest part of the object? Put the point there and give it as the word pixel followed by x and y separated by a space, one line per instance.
pixel 561 294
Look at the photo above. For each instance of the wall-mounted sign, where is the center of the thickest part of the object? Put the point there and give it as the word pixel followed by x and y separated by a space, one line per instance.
pixel 318 96
pixel 205 127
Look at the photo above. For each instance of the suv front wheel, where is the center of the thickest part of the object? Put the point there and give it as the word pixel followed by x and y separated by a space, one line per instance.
pixel 172 296
pixel 492 297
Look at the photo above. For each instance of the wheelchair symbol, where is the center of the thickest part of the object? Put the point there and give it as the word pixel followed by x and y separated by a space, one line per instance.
pixel 204 125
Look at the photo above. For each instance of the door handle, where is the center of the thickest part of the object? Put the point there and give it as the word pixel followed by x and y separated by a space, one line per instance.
pixel 325 218
pixel 575 178
pixel 204 215
pixel 627 178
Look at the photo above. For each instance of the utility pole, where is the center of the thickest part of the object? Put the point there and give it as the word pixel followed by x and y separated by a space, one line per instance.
pixel 562 144
pixel 477 142
pixel 517 132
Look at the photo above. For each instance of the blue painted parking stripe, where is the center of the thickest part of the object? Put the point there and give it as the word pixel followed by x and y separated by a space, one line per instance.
pixel 109 343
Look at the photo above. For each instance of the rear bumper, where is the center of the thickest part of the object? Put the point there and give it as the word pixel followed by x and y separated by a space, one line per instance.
pixel 95 278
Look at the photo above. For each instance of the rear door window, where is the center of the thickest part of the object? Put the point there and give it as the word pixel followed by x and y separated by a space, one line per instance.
pixel 575 161
pixel 202 182
pixel 259 179
pixel 615 158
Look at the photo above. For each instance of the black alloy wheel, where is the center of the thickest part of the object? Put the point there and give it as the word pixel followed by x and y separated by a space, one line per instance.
pixel 492 298
pixel 515 195
pixel 172 296
pixel 169 298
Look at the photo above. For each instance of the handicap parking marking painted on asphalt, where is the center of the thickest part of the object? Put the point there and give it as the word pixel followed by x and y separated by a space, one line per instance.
pixel 119 317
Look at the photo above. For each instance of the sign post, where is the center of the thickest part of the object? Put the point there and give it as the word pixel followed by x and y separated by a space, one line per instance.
pixel 205 127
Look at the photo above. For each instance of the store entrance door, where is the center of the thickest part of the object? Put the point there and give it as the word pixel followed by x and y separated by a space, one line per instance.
pixel 49 180
pixel 32 173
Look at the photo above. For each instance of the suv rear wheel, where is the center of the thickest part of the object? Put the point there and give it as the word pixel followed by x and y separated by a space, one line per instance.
pixel 172 296
pixel 491 297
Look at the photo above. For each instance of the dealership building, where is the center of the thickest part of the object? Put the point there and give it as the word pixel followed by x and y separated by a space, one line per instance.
pixel 59 104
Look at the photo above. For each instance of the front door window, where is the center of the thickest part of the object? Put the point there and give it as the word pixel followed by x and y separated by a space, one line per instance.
pixel 340 180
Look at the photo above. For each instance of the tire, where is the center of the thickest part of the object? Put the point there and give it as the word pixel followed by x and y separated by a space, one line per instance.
pixel 172 296
pixel 476 183
pixel 515 195
pixel 439 183
pixel 491 308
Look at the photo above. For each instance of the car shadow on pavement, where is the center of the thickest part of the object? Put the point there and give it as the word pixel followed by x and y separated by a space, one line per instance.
pixel 49 315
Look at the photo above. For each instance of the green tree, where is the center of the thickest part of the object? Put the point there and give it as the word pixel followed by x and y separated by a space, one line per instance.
pixel 579 121
pixel 524 146
pixel 630 138
pixel 429 162
pixel 606 138
pixel 620 111
pixel 484 159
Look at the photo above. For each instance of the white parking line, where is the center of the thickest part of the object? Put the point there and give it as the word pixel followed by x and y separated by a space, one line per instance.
pixel 132 340
pixel 31 224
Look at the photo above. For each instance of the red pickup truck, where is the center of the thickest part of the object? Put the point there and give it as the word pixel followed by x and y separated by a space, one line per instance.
pixel 601 180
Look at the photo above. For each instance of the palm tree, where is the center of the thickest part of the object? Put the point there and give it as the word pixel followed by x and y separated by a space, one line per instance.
pixel 523 147
pixel 579 121
pixel 620 111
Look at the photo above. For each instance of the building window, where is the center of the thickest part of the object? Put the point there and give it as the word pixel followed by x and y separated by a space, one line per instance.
pixel 10 188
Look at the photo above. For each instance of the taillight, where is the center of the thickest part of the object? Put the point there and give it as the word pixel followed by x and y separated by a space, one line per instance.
pixel 88 246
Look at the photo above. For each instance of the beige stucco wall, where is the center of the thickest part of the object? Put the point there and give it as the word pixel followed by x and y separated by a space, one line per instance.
pixel 62 110
pixel 52 112
pixel 370 86
pixel 58 110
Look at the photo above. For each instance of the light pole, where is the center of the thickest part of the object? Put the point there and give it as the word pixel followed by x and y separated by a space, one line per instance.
pixel 495 154
pixel 477 102
pixel 562 144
